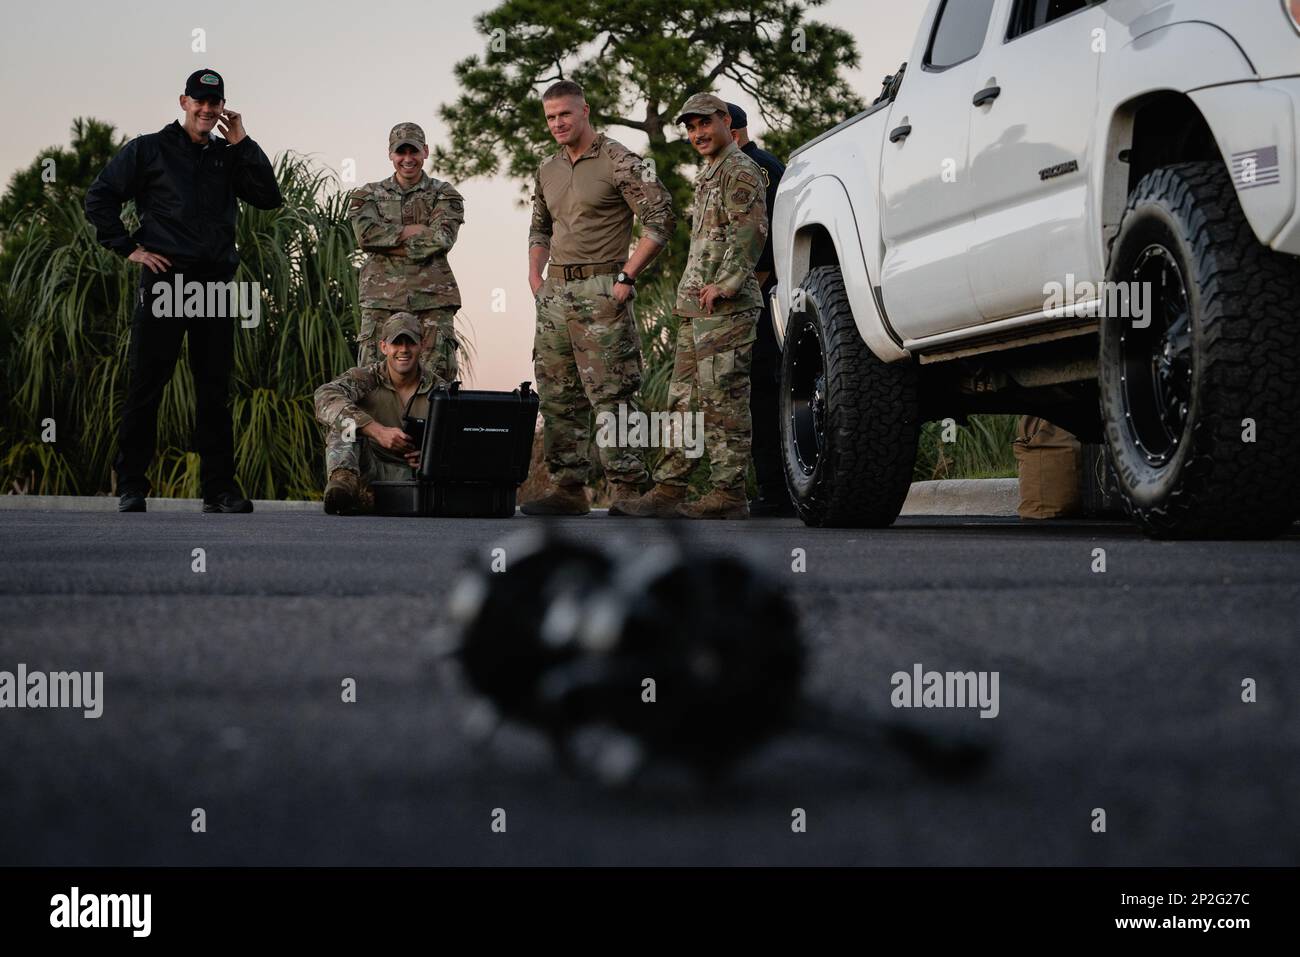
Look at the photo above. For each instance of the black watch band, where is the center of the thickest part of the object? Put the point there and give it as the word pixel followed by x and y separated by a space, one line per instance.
pixel 625 279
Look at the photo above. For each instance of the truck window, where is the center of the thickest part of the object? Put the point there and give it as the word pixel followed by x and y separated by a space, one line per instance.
pixel 958 33
pixel 1032 14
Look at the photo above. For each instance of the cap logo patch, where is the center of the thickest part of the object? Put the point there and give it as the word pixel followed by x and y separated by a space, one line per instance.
pixel 211 79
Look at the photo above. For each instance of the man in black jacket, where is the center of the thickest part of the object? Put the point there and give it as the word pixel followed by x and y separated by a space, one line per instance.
pixel 185 181
pixel 765 372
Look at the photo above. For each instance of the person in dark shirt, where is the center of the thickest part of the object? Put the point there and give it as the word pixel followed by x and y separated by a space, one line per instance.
pixel 186 182
pixel 765 373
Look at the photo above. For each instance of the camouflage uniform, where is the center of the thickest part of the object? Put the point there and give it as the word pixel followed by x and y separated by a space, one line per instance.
pixel 411 275
pixel 587 351
pixel 363 395
pixel 728 229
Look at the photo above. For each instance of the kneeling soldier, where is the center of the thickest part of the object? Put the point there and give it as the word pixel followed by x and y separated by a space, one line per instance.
pixel 718 300
pixel 363 409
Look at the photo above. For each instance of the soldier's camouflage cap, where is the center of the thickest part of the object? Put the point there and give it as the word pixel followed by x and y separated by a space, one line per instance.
pixel 400 324
pixel 406 133
pixel 701 104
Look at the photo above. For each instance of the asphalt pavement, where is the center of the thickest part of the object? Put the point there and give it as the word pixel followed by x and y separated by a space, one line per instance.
pixel 1118 690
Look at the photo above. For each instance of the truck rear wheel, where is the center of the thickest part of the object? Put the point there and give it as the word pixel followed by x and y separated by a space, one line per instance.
pixel 849 422
pixel 1201 395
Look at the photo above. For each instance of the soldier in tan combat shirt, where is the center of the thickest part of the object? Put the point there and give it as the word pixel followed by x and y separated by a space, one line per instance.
pixel 718 300
pixel 587 350
pixel 407 224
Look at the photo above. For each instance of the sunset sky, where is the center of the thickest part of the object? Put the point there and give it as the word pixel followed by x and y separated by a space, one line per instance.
pixel 328 79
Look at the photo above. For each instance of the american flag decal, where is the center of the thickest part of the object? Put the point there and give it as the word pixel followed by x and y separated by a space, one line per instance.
pixel 1255 168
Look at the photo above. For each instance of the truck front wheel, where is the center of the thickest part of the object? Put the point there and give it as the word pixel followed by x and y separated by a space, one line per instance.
pixel 849 422
pixel 1200 389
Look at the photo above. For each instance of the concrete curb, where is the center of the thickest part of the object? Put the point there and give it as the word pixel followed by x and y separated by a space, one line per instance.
pixel 999 497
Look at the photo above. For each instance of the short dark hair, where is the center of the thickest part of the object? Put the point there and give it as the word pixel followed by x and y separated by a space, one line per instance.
pixel 563 88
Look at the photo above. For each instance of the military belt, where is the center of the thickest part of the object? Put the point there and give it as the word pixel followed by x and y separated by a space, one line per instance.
pixel 579 271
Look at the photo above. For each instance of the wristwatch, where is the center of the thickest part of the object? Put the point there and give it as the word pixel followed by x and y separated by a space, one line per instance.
pixel 625 279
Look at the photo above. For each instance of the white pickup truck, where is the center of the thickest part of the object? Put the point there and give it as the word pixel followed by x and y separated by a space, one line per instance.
pixel 1080 209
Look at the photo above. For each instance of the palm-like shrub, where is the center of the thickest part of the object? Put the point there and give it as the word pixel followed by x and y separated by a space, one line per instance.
pixel 65 319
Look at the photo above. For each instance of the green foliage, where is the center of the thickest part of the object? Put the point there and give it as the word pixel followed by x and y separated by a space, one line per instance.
pixel 57 171
pixel 638 61
pixel 982 450
pixel 65 319
pixel 55 174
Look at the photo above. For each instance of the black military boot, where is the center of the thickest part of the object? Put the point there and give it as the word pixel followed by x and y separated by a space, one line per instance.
pixel 231 501
pixel 131 501
pixel 772 502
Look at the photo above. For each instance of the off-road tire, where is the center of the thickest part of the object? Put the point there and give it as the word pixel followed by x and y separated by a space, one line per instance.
pixel 870 420
pixel 1195 472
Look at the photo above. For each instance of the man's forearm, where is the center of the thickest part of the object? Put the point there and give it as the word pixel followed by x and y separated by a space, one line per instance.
pixel 646 250
pixel 537 258
pixel 255 181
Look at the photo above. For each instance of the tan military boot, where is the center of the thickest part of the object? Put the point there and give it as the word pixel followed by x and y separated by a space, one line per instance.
pixel 342 492
pixel 562 500
pixel 619 494
pixel 660 502
pixel 720 503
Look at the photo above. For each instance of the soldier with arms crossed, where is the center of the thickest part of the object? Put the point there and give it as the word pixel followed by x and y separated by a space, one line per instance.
pixel 407 224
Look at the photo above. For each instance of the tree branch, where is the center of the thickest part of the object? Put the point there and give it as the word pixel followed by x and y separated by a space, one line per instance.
pixel 623 121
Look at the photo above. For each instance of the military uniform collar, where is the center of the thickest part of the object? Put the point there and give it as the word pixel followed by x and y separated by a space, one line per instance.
pixel 422 183
pixel 588 153
pixel 712 169
pixel 426 377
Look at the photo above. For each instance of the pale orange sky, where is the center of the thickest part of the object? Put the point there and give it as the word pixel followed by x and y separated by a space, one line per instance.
pixel 329 79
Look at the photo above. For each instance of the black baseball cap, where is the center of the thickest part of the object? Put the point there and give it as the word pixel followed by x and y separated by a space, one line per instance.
pixel 205 83
pixel 738 118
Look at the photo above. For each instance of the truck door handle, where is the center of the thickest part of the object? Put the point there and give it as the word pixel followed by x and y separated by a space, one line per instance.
pixel 987 95
pixel 901 133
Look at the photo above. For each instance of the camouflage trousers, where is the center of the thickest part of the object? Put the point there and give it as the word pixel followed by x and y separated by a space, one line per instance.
pixel 587 359
pixel 713 360
pixel 439 345
pixel 357 455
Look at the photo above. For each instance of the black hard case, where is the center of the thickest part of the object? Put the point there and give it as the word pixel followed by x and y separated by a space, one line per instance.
pixel 474 455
